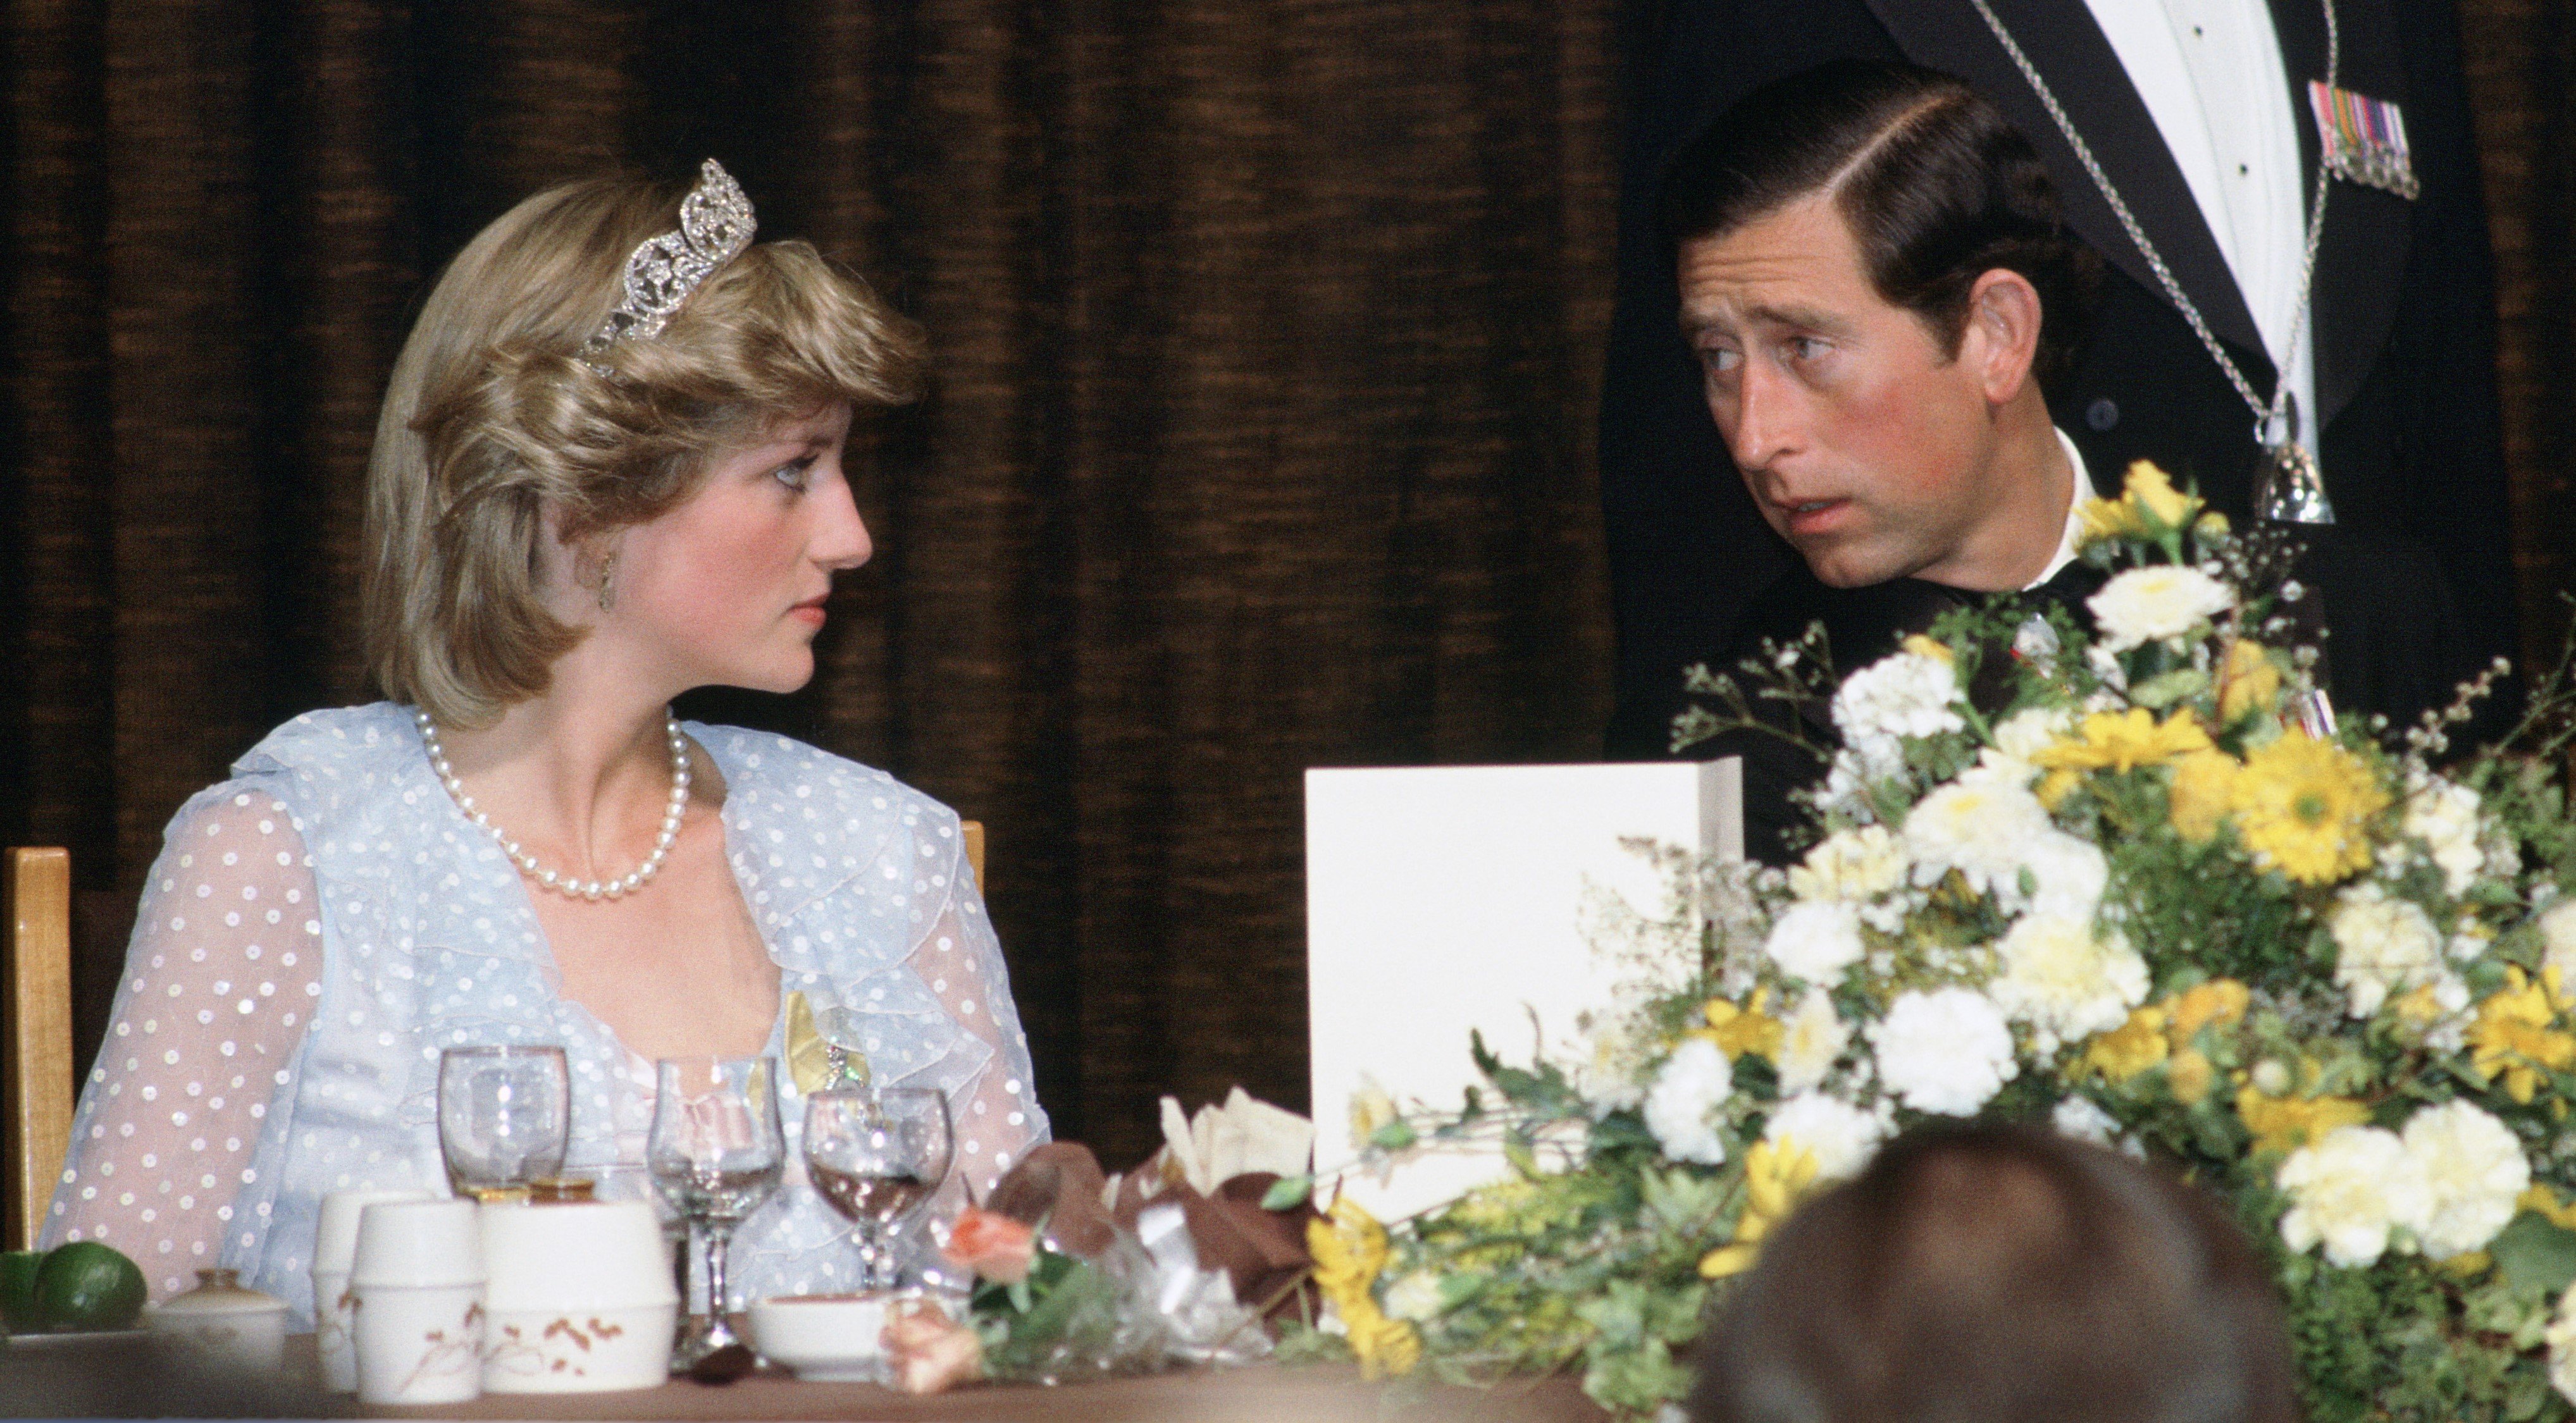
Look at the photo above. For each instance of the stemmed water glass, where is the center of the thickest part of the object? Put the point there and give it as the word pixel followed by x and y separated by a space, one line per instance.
pixel 716 1153
pixel 504 1118
pixel 877 1156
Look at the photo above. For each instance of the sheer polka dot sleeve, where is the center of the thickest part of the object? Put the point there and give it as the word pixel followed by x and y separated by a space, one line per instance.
pixel 220 982
pixel 997 1115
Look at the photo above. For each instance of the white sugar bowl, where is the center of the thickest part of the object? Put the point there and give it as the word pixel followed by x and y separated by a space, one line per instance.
pixel 580 1298
pixel 224 1324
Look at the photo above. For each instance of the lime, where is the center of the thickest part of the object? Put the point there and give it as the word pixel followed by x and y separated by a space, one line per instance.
pixel 18 1289
pixel 86 1285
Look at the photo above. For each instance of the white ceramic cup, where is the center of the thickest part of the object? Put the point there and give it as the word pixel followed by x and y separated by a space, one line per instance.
pixel 416 1276
pixel 579 1298
pixel 419 1344
pixel 335 1240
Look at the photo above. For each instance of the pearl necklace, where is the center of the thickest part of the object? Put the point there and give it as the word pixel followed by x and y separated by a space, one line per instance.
pixel 614 887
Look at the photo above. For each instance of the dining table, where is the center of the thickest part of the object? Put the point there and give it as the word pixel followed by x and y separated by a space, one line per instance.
pixel 128 1375
pixel 1252 1393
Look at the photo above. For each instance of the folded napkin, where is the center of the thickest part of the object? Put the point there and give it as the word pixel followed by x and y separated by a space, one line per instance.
pixel 1221 1143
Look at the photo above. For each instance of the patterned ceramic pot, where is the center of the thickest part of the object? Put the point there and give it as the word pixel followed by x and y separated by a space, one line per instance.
pixel 581 1298
pixel 228 1326
pixel 577 1351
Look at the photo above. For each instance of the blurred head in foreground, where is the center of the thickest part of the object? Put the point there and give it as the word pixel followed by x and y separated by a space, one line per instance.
pixel 1997 1274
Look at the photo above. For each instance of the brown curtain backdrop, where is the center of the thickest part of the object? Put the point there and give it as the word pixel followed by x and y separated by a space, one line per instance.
pixel 1266 338
pixel 2521 59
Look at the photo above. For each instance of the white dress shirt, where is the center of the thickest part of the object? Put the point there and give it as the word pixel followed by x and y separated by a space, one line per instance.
pixel 2212 77
pixel 2074 530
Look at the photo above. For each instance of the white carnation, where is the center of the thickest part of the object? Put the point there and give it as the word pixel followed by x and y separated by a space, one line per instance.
pixel 2444 815
pixel 2383 946
pixel 1947 1050
pixel 2069 873
pixel 1415 1297
pixel 2474 1166
pixel 2017 740
pixel 2023 734
pixel 1693 1083
pixel 2558 941
pixel 1901 695
pixel 1847 779
pixel 1621 1040
pixel 1816 941
pixel 2157 602
pixel 2562 1346
pixel 2351 1191
pixel 1985 830
pixel 2082 1118
pixel 2065 981
pixel 1842 1137
pixel 1994 767
pixel 1812 1040
pixel 1853 865
pixel 2470 938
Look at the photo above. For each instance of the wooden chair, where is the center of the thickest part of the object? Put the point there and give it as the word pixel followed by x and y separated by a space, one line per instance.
pixel 35 1036
pixel 974 833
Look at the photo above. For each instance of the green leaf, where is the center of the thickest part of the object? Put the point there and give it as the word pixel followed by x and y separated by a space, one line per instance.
pixel 1288 1193
pixel 2164 690
pixel 1457 1289
pixel 1394 1136
pixel 1523 1160
pixel 2535 1256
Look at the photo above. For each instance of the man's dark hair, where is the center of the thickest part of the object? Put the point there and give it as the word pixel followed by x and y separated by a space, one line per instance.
pixel 1937 187
pixel 2007 1275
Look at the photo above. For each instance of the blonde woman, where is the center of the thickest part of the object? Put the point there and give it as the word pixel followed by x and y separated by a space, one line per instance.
pixel 608 470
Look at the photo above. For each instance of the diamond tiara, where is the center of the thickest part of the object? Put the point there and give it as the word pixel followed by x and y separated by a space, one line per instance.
pixel 715 225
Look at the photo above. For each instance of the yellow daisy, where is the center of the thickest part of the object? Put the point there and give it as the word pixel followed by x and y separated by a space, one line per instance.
pixel 2304 806
pixel 2247 681
pixel 2204 785
pixel 2288 1123
pixel 2515 1036
pixel 2124 740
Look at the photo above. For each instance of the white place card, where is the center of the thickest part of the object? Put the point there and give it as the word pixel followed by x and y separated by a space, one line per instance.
pixel 1442 900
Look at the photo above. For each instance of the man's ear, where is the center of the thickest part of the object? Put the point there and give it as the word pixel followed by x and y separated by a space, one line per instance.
pixel 2002 335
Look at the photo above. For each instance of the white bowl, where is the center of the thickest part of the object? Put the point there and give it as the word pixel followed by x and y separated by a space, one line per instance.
pixel 575 1256
pixel 827 1338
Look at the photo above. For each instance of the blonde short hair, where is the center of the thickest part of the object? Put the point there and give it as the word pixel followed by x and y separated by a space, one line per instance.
pixel 491 421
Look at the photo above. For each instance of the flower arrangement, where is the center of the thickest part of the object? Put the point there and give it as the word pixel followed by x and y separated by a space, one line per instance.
pixel 2125 878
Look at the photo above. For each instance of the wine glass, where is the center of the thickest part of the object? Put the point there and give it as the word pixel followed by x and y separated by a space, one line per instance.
pixel 877 1156
pixel 504 1118
pixel 716 1153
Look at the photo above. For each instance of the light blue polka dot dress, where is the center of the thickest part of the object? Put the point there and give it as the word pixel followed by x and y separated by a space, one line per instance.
pixel 320 926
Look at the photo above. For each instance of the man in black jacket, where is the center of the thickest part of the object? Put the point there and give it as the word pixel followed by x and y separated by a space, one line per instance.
pixel 2416 571
pixel 1873 277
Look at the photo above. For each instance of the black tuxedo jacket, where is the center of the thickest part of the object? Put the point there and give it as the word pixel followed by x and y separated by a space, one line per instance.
pixel 2417 574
